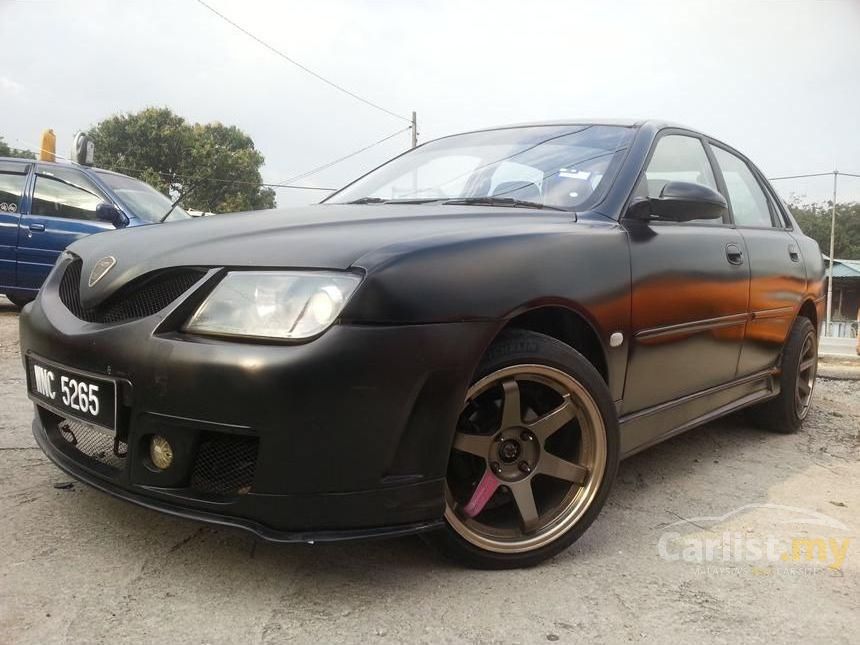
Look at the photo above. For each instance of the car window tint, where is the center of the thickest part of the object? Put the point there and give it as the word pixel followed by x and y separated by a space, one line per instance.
pixel 61 192
pixel 12 179
pixel 678 158
pixel 748 201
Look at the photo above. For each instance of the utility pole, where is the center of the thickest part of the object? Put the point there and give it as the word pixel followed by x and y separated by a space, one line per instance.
pixel 414 129
pixel 830 270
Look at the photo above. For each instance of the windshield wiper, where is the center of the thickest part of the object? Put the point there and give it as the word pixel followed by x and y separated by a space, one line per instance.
pixel 380 200
pixel 368 200
pixel 501 201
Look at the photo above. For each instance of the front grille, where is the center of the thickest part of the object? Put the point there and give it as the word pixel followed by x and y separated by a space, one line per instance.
pixel 93 443
pixel 225 465
pixel 145 296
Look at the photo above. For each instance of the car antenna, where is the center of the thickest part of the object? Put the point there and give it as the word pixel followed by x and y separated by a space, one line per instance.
pixel 173 205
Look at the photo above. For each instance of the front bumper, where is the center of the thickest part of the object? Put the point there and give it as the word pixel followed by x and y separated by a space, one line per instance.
pixel 349 434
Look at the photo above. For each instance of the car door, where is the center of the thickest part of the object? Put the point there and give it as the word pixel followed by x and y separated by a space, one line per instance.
pixel 13 178
pixel 62 210
pixel 690 287
pixel 777 270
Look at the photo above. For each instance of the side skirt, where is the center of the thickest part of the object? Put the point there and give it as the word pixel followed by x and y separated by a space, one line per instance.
pixel 645 428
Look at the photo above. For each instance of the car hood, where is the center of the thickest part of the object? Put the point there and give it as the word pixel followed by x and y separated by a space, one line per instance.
pixel 337 236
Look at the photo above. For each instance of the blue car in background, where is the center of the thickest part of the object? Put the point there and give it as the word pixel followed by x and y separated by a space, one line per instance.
pixel 45 206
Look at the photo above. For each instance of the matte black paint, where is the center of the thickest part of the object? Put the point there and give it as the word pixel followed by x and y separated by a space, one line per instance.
pixel 355 426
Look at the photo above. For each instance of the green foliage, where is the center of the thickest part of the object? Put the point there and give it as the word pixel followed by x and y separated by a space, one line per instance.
pixel 210 166
pixel 7 151
pixel 814 220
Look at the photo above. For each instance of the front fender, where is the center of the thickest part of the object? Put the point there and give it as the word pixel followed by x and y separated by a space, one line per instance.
pixel 582 266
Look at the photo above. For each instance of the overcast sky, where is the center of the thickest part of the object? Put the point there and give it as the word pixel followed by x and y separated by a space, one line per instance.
pixel 778 79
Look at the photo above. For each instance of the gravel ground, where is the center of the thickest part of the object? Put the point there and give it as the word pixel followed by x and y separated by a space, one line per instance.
pixel 79 566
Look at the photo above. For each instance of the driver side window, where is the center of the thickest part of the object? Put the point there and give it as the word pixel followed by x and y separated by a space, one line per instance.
pixel 678 157
pixel 65 193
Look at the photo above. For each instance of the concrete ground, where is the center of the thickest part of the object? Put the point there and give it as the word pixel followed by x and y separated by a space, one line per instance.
pixel 838 346
pixel 77 566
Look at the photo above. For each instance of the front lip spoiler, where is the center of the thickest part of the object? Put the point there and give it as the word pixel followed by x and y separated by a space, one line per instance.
pixel 68 466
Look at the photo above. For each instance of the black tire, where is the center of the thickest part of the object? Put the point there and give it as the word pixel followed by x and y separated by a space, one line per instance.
pixel 782 413
pixel 517 347
pixel 19 301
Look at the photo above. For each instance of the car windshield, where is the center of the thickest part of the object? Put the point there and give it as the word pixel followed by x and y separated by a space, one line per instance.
pixel 567 167
pixel 142 199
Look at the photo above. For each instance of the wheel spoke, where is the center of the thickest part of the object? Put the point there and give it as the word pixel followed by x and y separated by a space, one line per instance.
pixel 475 444
pixel 524 498
pixel 552 421
pixel 807 364
pixel 804 387
pixel 554 466
pixel 511 411
pixel 483 493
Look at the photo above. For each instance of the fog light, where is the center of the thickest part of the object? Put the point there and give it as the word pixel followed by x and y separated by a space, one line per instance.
pixel 160 452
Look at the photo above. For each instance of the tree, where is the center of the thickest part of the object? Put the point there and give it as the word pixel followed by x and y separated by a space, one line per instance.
pixel 7 151
pixel 814 220
pixel 208 166
pixel 220 151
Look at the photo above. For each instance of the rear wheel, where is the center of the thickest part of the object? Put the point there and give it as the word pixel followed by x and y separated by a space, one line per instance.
pixel 533 458
pixel 798 368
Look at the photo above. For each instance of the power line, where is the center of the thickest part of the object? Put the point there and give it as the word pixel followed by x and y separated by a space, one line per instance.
pixel 344 158
pixel 815 174
pixel 303 67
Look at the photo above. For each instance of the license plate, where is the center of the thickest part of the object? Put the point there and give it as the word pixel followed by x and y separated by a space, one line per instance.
pixel 78 395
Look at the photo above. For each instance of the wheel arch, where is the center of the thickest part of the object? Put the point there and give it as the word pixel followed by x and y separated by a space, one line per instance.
pixel 808 310
pixel 568 326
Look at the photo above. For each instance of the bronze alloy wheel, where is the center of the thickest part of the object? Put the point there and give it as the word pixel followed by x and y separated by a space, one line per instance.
pixel 528 459
pixel 806 371
pixel 798 367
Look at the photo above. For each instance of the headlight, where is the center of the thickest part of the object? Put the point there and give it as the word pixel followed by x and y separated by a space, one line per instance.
pixel 274 304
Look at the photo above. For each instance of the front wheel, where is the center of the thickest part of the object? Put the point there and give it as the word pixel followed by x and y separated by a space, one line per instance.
pixel 533 458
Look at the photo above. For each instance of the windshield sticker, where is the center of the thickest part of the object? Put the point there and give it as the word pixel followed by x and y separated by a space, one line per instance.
pixel 573 173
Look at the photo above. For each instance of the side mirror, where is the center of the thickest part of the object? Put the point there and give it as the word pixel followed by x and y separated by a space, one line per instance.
pixel 110 213
pixel 682 201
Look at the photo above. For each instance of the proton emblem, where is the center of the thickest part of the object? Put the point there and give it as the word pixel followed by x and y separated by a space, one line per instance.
pixel 101 268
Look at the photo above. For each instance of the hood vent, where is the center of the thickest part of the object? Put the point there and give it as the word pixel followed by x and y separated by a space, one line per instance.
pixel 142 297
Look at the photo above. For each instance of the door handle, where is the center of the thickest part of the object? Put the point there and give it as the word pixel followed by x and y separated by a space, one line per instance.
pixel 793 253
pixel 734 254
pixel 37 227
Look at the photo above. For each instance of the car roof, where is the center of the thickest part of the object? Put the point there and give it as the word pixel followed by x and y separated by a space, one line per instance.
pixel 61 164
pixel 651 124
pixel 621 122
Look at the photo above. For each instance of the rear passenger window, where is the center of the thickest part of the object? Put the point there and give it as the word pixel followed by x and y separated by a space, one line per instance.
pixel 66 193
pixel 749 204
pixel 12 179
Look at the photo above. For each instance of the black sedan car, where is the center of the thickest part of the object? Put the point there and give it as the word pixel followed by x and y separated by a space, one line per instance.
pixel 462 343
